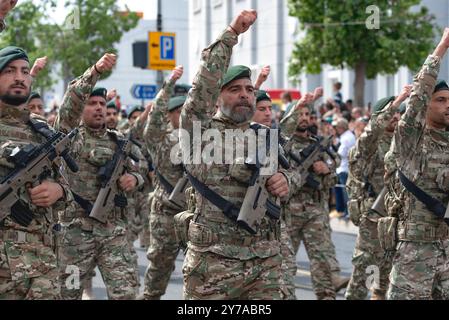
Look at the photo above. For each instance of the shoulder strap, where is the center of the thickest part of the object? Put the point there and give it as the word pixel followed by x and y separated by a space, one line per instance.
pixel 41 127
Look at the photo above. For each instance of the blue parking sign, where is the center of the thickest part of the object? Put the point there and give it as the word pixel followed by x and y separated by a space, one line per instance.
pixel 167 48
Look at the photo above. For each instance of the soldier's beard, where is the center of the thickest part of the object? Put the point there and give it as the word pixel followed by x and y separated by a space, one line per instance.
pixel 239 117
pixel 16 100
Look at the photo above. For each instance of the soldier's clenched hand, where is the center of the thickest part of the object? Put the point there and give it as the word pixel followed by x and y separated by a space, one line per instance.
pixel 277 185
pixel 127 182
pixel 46 194
pixel 106 63
pixel 177 73
pixel 318 93
pixel 38 66
pixel 243 21
pixel 320 168
pixel 305 99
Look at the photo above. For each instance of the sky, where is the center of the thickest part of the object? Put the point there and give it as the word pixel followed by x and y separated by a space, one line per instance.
pixel 148 7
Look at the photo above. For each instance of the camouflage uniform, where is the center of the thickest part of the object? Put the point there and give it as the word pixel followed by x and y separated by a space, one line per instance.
pixel 366 166
pixel 87 243
pixel 306 214
pixel 224 261
pixel 28 265
pixel 161 138
pixel 420 265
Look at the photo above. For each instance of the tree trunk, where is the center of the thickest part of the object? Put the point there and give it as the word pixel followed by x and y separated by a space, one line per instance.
pixel 359 84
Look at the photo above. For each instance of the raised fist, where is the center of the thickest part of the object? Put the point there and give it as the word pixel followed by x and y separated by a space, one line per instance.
pixel 318 93
pixel 111 94
pixel 243 21
pixel 6 6
pixel 305 99
pixel 177 73
pixel 38 66
pixel 106 63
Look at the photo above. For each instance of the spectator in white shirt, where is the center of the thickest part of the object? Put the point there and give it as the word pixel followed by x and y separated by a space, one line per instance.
pixel 347 141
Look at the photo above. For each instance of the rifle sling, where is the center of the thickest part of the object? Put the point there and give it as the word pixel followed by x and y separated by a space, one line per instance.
pixel 229 209
pixel 86 205
pixel 165 184
pixel 434 205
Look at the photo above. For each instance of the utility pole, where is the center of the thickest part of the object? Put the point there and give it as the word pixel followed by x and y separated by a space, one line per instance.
pixel 160 75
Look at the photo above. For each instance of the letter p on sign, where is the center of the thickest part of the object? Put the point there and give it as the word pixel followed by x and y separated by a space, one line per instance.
pixel 167 48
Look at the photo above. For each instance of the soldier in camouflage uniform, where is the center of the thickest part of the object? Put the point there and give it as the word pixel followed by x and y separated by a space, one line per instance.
pixel 418 191
pixel 263 115
pixel 86 242
pixel 28 266
pixel 223 260
pixel 366 180
pixel 306 211
pixel 161 137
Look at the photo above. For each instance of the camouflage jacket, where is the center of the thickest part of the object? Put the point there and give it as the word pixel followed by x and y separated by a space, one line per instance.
pixel 306 198
pixel 161 139
pixel 227 178
pixel 420 152
pixel 366 160
pixel 91 149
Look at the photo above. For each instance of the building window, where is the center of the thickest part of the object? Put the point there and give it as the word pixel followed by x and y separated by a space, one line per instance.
pixel 197 6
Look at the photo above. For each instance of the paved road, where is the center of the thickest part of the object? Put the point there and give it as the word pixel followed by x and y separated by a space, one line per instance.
pixel 344 240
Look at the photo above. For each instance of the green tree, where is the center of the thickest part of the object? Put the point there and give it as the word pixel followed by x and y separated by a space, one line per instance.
pixel 101 26
pixel 336 34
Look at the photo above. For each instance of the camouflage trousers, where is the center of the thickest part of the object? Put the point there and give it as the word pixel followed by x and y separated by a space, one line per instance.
pixel 162 252
pixel 288 264
pixel 420 271
pixel 81 251
pixel 28 271
pixel 329 247
pixel 310 227
pixel 368 261
pixel 209 276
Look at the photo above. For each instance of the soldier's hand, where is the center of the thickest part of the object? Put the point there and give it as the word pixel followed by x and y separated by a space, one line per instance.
pixel 243 21
pixel 46 194
pixel 405 93
pixel 38 66
pixel 177 73
pixel 277 185
pixel 321 167
pixel 106 63
pixel 6 6
pixel 263 76
pixel 111 94
pixel 318 93
pixel 127 182
pixel 305 99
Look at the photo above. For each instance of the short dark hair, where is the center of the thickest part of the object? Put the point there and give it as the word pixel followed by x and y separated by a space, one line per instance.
pixel 337 85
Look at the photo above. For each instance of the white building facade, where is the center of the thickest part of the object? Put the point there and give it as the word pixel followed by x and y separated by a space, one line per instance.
pixel 270 41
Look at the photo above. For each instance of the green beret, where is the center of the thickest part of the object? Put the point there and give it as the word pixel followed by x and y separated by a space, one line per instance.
pixel 382 103
pixel 34 95
pixel 402 108
pixel 262 96
pixel 181 89
pixel 441 85
pixel 99 92
pixel 235 73
pixel 135 109
pixel 111 105
pixel 176 102
pixel 10 54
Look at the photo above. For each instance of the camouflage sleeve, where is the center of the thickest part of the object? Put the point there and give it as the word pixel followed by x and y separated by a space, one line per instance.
pixel 294 179
pixel 72 106
pixel 202 97
pixel 137 129
pixel 412 123
pixel 354 184
pixel 157 124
